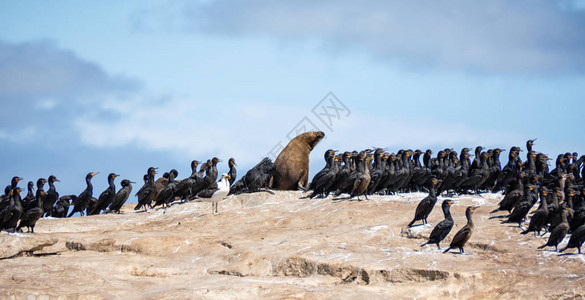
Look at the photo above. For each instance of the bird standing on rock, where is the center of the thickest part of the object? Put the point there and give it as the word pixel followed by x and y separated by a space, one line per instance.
pixel 426 205
pixel 442 229
pixel 464 234
pixel 82 201
pixel 52 196
pixel 121 197
pixel 559 232
pixel 105 198
pixel 147 191
pixel 214 195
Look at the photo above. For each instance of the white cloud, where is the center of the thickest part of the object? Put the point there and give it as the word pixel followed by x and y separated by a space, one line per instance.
pixel 498 36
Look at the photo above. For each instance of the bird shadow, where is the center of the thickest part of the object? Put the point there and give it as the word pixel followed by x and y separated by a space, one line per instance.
pixel 458 253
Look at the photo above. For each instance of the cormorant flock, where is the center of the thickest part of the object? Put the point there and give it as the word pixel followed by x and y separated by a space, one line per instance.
pixel 560 191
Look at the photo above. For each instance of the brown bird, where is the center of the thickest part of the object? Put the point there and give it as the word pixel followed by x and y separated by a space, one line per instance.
pixel 463 235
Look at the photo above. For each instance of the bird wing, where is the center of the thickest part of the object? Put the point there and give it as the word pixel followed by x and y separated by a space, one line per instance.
pixel 422 206
pixel 207 193
pixel 461 236
pixel 442 229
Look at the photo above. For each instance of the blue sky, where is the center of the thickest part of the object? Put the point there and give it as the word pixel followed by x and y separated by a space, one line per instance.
pixel 116 86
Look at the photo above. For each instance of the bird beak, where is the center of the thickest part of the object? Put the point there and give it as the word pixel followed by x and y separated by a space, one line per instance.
pixel 132 182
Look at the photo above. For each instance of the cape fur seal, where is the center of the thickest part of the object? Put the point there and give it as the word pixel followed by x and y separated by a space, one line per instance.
pixel 292 164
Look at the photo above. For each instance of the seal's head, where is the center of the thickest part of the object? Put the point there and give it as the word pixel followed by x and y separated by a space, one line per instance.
pixel 312 138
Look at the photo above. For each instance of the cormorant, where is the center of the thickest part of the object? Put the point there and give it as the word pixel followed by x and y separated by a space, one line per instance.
pixel 6 208
pixel 463 235
pixel 62 206
pixel 105 198
pixel 167 195
pixel 148 191
pixel 82 201
pixel 442 229
pixel 183 188
pixel 233 172
pixel 216 194
pixel 328 159
pixel 31 216
pixel 559 232
pixel 259 178
pixel 577 239
pixel 377 172
pixel 121 197
pixel 210 177
pixel 426 205
pixel 325 180
pixel 539 218
pixel 29 201
pixel 513 197
pixel 15 210
pixel 362 180
pixel 52 196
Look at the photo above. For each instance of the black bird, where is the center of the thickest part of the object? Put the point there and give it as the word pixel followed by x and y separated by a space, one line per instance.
pixel 442 229
pixel 464 234
pixel 82 201
pixel 105 198
pixel 14 210
pixel 577 239
pixel 61 206
pixel 167 195
pixel 210 177
pixel 559 232
pixel 513 197
pixel 328 159
pixel 324 182
pixel 6 208
pixel 183 188
pixel 377 172
pixel 521 209
pixel 148 191
pixel 52 196
pixel 257 179
pixel 121 197
pixel 539 218
pixel 233 172
pixel 426 205
pixel 29 201
pixel 30 217
pixel 5 199
pixel 343 173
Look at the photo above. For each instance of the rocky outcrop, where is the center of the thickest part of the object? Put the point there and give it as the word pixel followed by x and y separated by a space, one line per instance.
pixel 281 246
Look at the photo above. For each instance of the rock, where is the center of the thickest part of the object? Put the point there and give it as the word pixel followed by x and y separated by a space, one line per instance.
pixel 281 246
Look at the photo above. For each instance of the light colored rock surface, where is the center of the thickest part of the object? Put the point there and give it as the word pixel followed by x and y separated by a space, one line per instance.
pixel 280 246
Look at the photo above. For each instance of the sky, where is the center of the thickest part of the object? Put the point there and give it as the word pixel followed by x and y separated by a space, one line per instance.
pixel 119 86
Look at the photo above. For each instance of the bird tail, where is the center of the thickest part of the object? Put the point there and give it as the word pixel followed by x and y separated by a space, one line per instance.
pixel 525 231
pixel 542 246
pixel 447 250
pixel 412 222
pixel 495 210
pixel 424 244
pixel 138 206
pixel 563 249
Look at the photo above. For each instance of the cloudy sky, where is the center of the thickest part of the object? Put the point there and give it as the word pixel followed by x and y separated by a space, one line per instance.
pixel 116 86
